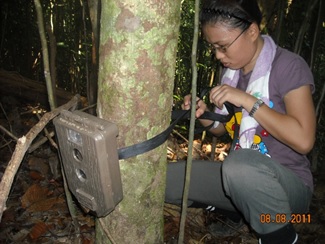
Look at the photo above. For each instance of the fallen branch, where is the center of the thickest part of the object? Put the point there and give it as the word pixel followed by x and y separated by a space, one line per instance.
pixel 8 132
pixel 5 114
pixel 14 84
pixel 40 142
pixel 47 134
pixel 22 146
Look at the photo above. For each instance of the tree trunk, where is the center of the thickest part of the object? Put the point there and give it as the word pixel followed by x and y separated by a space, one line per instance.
pixel 267 7
pixel 304 27
pixel 136 75
pixel 317 33
pixel 283 6
pixel 92 85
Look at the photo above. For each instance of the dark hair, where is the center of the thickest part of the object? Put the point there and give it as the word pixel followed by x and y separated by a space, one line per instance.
pixel 235 13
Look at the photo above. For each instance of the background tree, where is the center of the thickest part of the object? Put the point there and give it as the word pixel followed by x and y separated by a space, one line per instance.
pixel 136 72
pixel 94 14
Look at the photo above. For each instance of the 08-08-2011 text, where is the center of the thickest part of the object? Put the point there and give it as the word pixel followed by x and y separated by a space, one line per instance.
pixel 281 218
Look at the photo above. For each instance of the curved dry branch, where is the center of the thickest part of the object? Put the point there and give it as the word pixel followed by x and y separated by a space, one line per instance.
pixel 22 146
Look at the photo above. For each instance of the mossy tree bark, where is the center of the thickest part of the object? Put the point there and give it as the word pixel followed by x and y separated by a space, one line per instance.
pixel 137 56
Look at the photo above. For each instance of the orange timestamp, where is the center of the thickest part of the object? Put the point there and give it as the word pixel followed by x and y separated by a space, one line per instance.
pixel 283 218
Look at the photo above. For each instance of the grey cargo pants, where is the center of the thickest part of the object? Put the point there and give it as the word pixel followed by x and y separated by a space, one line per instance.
pixel 247 182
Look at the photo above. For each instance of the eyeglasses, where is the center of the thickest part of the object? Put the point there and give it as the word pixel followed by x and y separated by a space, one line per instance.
pixel 223 49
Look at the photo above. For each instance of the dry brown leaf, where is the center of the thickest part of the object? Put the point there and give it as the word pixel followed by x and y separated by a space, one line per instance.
pixel 172 210
pixel 38 164
pixel 86 241
pixel 87 220
pixel 45 204
pixel 38 230
pixel 34 194
pixel 36 175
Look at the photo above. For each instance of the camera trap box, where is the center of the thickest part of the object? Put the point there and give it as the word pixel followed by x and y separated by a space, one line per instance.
pixel 89 156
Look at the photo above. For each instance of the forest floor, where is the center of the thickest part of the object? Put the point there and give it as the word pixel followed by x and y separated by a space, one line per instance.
pixel 37 212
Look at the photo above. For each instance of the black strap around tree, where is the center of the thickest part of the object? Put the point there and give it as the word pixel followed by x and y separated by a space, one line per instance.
pixel 177 115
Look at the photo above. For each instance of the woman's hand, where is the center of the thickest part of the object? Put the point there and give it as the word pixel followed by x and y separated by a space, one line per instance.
pixel 201 106
pixel 225 93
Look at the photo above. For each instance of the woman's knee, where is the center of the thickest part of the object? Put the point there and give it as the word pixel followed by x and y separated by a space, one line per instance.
pixel 237 162
pixel 240 170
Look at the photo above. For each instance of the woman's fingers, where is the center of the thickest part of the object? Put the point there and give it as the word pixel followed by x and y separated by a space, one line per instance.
pixel 216 96
pixel 186 102
pixel 200 105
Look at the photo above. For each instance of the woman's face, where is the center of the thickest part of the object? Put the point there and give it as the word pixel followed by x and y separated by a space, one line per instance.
pixel 234 48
